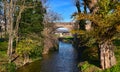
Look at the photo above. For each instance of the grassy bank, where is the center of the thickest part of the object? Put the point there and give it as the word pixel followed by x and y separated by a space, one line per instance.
pixel 18 62
pixel 91 62
pixel 67 39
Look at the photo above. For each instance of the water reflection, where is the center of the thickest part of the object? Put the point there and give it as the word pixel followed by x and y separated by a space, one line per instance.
pixel 65 60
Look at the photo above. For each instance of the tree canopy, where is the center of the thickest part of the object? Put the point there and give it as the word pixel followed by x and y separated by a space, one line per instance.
pixel 105 26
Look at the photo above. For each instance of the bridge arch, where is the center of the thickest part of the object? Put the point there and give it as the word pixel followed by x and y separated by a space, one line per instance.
pixel 63 29
pixel 69 25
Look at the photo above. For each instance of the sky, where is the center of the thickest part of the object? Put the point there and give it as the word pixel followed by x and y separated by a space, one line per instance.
pixel 63 7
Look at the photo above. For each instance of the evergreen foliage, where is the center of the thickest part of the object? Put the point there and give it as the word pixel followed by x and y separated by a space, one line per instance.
pixel 25 25
pixel 31 27
pixel 104 29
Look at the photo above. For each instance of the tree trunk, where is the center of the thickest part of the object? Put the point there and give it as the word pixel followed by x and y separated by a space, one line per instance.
pixel 5 17
pixel 107 57
pixel 26 58
pixel 10 47
pixel 10 32
pixel 17 22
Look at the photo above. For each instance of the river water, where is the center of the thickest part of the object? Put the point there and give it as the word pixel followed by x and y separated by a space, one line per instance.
pixel 65 60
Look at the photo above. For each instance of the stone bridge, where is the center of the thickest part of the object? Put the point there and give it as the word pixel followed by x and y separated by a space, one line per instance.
pixel 66 26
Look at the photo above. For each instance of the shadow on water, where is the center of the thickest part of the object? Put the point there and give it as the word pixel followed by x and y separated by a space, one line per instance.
pixel 65 60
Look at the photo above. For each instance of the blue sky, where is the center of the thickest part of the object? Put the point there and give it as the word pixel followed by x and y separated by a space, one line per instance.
pixel 64 7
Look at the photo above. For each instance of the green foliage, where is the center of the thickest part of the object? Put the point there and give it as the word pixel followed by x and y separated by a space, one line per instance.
pixel 3 46
pixel 25 46
pixel 90 54
pixel 106 6
pixel 87 66
pixel 114 69
pixel 82 24
pixel 32 46
pixel 105 23
pixel 2 55
pixel 116 42
pixel 32 20
pixel 30 29
pixel 9 67
pixel 84 66
pixel 36 52
pixel 105 26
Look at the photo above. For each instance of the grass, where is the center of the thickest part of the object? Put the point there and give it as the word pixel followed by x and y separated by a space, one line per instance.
pixel 3 50
pixel 4 65
pixel 3 46
pixel 91 66
pixel 3 60
pixel 10 67
pixel 69 37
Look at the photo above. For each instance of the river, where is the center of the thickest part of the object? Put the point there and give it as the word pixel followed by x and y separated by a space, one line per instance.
pixel 64 60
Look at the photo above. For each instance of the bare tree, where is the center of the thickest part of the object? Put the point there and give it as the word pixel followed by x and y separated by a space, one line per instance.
pixel 11 8
pixel 50 41
pixel 77 3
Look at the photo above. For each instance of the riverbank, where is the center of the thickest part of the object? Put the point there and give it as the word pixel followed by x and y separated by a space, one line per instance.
pixel 12 67
pixel 63 60
pixel 17 60
pixel 92 63
pixel 68 39
pixel 33 52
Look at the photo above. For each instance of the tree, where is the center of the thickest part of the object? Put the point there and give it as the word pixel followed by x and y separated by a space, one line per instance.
pixel 77 4
pixel 12 12
pixel 79 24
pixel 50 41
pixel 106 26
pixel 30 32
pixel 9 16
pixel 92 5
